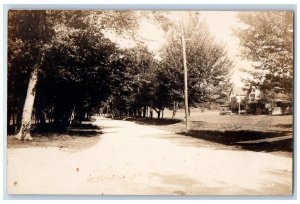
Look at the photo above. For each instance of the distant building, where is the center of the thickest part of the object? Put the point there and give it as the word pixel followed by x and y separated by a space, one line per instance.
pixel 253 94
pixel 253 105
pixel 241 93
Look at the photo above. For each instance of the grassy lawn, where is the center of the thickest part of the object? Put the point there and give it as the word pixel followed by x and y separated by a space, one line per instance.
pixel 212 120
pixel 265 133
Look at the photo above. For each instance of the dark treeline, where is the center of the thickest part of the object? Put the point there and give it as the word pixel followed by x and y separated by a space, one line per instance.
pixel 80 72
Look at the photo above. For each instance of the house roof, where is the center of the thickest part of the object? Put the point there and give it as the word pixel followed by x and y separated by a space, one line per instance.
pixel 238 91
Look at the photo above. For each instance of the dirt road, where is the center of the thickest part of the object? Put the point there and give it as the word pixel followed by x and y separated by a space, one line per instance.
pixel 136 159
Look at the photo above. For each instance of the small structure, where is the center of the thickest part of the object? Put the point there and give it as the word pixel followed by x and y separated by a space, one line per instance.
pixel 282 107
pixel 276 111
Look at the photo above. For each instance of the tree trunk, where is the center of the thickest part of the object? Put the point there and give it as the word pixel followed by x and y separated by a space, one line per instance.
pixel 151 113
pixel 24 133
pixel 14 121
pixel 175 107
pixel 19 118
pixel 144 111
pixel 42 118
pixel 10 116
pixel 147 111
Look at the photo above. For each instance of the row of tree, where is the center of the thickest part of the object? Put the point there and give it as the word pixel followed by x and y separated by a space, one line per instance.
pixel 63 58
pixel 61 64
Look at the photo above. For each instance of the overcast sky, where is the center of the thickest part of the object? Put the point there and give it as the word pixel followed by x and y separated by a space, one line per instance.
pixel 220 24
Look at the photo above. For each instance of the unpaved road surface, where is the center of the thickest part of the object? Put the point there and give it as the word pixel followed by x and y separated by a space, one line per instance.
pixel 132 159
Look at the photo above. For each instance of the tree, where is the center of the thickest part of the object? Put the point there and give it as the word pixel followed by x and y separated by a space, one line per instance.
pixel 75 77
pixel 36 35
pixel 131 81
pixel 42 37
pixel 267 41
pixel 207 62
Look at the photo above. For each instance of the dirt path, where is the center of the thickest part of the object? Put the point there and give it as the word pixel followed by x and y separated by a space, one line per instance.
pixel 135 159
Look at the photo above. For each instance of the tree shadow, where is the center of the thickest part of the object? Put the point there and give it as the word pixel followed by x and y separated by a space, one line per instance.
pixel 284 125
pixel 74 137
pixel 81 130
pixel 248 140
pixel 154 121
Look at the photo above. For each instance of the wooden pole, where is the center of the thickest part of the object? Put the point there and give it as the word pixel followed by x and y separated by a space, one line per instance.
pixel 185 84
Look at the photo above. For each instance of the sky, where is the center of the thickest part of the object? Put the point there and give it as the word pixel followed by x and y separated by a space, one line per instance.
pixel 221 25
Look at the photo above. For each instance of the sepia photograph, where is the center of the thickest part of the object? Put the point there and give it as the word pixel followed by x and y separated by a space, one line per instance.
pixel 150 102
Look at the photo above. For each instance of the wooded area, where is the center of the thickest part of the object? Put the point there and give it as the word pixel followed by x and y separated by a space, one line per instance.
pixel 62 66
pixel 71 67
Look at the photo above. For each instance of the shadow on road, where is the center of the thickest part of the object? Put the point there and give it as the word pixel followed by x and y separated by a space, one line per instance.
pixel 154 121
pixel 249 140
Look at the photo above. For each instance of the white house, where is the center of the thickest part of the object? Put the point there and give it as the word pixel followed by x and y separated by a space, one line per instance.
pixel 237 92
pixel 254 94
pixel 241 93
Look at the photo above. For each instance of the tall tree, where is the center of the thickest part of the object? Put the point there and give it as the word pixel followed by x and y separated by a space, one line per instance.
pixel 207 62
pixel 267 41
pixel 131 80
pixel 41 29
pixel 30 28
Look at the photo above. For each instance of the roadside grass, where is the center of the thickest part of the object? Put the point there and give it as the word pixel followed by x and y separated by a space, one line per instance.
pixel 251 132
pixel 73 137
pixel 264 133
pixel 213 121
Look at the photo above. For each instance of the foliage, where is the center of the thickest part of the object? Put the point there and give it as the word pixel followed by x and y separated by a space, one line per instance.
pixel 132 81
pixel 83 71
pixel 77 59
pixel 207 62
pixel 267 41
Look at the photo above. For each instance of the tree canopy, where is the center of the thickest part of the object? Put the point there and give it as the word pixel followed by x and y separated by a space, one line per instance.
pixel 82 71
pixel 207 61
pixel 267 41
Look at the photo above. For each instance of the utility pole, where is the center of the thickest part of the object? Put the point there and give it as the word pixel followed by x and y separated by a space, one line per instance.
pixel 185 84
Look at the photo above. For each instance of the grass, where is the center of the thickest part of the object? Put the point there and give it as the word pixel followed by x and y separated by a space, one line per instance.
pixel 73 138
pixel 212 120
pixel 61 141
pixel 265 133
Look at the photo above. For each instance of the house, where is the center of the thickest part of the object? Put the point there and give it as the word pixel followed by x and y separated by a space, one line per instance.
pixel 253 93
pixel 238 93
pixel 241 94
pixel 246 99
